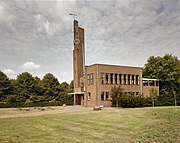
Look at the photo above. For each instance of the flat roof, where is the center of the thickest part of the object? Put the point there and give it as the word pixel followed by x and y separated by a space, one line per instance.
pixel 150 79
pixel 112 65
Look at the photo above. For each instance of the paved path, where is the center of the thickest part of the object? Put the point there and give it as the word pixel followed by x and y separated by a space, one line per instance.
pixel 47 110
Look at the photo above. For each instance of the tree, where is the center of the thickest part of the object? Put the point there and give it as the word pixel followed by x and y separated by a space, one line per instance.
pixel 38 87
pixel 25 86
pixel 50 85
pixel 5 86
pixel 71 86
pixel 116 94
pixel 167 69
pixel 153 95
pixel 64 86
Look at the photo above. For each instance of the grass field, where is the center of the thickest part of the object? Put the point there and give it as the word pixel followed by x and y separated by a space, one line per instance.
pixel 159 124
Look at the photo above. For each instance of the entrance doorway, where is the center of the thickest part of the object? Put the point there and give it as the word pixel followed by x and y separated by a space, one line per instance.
pixel 78 98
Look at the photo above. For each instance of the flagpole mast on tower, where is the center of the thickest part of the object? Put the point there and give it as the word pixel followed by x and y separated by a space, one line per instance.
pixel 74 15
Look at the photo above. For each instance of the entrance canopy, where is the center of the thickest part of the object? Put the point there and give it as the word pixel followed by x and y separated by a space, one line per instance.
pixel 78 97
pixel 76 93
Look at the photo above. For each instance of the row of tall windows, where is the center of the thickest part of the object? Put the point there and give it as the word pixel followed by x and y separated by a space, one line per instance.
pixel 150 83
pixel 90 78
pixel 105 96
pixel 126 79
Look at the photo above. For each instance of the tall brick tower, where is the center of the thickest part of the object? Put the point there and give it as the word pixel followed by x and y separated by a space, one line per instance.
pixel 78 57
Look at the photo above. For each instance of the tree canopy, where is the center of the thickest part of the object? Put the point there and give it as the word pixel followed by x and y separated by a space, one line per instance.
pixel 167 69
pixel 5 85
pixel 25 84
pixel 27 90
pixel 50 85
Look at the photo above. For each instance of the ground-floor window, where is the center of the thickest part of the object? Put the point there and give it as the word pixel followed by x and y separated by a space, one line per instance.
pixel 89 95
pixel 104 95
pixel 107 95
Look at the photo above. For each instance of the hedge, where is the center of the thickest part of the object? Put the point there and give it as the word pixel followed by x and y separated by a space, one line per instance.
pixel 132 101
pixel 37 104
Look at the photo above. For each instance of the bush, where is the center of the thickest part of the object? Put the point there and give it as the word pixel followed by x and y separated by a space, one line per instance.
pixel 132 101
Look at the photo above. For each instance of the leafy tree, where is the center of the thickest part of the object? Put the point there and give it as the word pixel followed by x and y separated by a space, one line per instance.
pixel 25 86
pixel 50 85
pixel 167 69
pixel 153 95
pixel 71 86
pixel 5 86
pixel 63 96
pixel 64 86
pixel 38 87
pixel 116 94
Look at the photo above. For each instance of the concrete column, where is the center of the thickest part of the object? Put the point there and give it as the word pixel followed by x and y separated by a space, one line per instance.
pixel 109 78
pixel 118 79
pixel 130 79
pixel 113 78
pixel 134 79
pixel 126 78
pixel 138 80
pixel 104 96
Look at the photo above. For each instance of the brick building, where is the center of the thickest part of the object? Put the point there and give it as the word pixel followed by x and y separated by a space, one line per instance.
pixel 92 84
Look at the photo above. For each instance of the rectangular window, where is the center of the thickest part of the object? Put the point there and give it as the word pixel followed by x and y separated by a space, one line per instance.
pixel 157 83
pixel 151 83
pixel 145 83
pixel 102 96
pixel 107 78
pixel 129 79
pixel 132 79
pixel 137 93
pixel 88 79
pixel 107 95
pixel 124 78
pixel 111 78
pixel 102 78
pixel 137 79
pixel 120 79
pixel 89 95
pixel 116 78
pixel 91 78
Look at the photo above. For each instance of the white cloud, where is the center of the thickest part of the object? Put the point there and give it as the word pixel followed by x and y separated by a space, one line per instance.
pixel 5 16
pixel 10 73
pixel 43 25
pixel 116 32
pixel 30 66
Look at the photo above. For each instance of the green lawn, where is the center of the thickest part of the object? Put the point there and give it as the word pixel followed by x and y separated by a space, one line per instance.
pixel 159 124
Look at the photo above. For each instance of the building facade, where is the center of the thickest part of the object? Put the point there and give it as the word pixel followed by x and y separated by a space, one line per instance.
pixel 92 84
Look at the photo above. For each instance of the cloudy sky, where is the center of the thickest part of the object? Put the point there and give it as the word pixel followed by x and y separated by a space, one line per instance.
pixel 36 36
